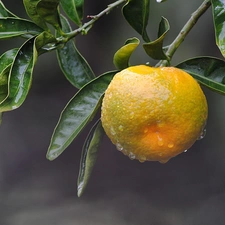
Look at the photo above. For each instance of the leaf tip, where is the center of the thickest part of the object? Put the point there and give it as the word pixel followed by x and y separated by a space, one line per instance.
pixel 51 155
pixel 80 189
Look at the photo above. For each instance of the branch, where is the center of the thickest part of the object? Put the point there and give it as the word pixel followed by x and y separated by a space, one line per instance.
pixel 85 28
pixel 185 30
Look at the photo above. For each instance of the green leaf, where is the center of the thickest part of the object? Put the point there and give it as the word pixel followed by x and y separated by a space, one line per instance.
pixel 4 12
pixel 43 41
pixel 20 76
pixel 89 156
pixel 14 27
pixel 48 10
pixel 208 71
pixel 72 64
pixel 31 9
pixel 136 12
pixel 77 113
pixel 155 48
pixel 74 10
pixel 218 10
pixel 122 56
pixel 6 60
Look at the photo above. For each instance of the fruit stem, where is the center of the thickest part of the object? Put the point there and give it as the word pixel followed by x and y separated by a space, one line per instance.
pixel 184 31
pixel 87 26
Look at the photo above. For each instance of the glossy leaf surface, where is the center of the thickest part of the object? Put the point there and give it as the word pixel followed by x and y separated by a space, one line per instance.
pixel 122 56
pixel 218 9
pixel 208 71
pixel 4 12
pixel 155 48
pixel 43 40
pixel 48 10
pixel 20 76
pixel 77 113
pixel 6 60
pixel 31 9
pixel 72 64
pixel 89 156
pixel 136 12
pixel 74 10
pixel 14 27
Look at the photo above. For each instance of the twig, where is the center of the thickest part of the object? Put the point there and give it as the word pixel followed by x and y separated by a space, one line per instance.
pixel 185 30
pixel 89 24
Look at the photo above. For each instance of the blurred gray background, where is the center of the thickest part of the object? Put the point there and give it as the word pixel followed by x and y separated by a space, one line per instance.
pixel 188 190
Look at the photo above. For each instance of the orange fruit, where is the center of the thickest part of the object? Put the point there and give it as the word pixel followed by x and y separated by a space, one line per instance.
pixel 152 113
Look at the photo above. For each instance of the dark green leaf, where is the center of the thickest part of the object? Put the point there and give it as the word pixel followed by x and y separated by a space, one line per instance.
pixel 31 9
pixel 72 64
pixel 218 9
pixel 14 27
pixel 4 75
pixel 77 113
pixel 122 56
pixel 155 48
pixel 6 60
pixel 4 12
pixel 136 12
pixel 74 10
pixel 48 10
pixel 208 71
pixel 20 76
pixel 43 41
pixel 89 156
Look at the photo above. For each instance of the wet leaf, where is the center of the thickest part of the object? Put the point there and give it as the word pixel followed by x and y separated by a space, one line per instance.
pixel 136 12
pixel 31 9
pixel 20 76
pixel 89 155
pixel 4 12
pixel 218 9
pixel 72 63
pixel 74 10
pixel 77 113
pixel 155 48
pixel 6 60
pixel 208 71
pixel 14 27
pixel 122 56
pixel 44 41
pixel 48 10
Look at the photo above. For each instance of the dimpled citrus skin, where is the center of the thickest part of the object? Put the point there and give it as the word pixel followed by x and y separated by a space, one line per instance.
pixel 152 113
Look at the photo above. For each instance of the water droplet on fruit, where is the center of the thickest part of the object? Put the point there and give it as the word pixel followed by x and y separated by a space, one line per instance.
pixel 142 158
pixel 120 127
pixel 160 140
pixel 185 150
pixel 170 145
pixel 131 155
pixel 113 132
pixel 202 135
pixel 119 147
pixel 145 130
pixel 131 115
pixel 164 161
